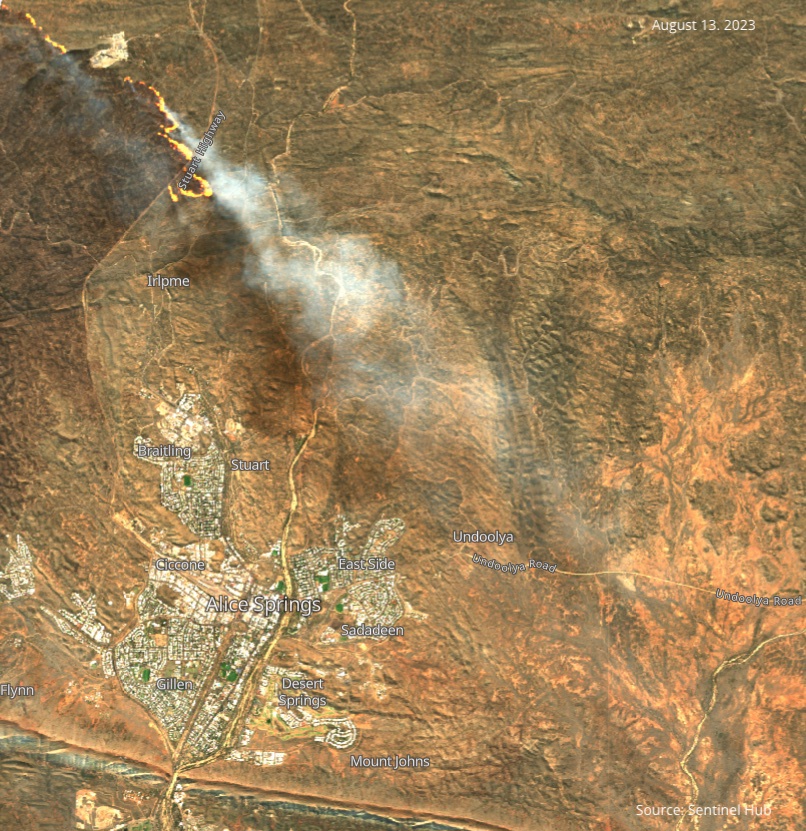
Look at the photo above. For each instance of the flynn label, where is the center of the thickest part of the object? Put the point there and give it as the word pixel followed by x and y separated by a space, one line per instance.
pixel 10 691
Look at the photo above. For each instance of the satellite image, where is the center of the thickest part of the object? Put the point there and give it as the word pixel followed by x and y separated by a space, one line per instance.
pixel 403 415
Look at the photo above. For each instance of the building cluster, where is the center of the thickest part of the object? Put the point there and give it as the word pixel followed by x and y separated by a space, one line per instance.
pixel 341 734
pixel 314 571
pixel 108 663
pixel 375 601
pixel 195 588
pixel 182 640
pixel 165 645
pixel 262 758
pixel 336 731
pixel 186 424
pixel 221 705
pixel 369 596
pixel 18 578
pixel 192 488
pixel 190 822
pixel 384 534
pixel 83 625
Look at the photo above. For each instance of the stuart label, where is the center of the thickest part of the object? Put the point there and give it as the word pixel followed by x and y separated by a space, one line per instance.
pixel 240 464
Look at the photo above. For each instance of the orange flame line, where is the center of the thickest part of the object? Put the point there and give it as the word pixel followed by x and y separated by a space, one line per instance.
pixel 206 190
pixel 47 38
pixel 181 148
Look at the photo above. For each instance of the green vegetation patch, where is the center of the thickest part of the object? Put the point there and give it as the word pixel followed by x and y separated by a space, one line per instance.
pixel 187 480
pixel 281 586
pixel 339 607
pixel 146 674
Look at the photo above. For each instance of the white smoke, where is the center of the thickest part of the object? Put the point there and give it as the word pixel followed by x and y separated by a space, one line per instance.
pixel 333 287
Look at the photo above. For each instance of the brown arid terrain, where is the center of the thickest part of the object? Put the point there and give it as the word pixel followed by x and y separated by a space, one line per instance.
pixel 525 268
